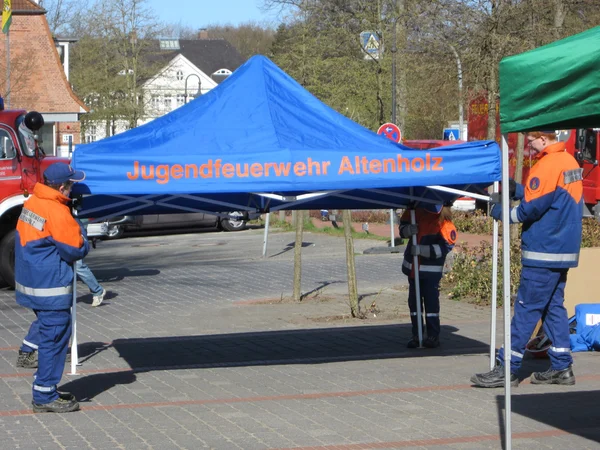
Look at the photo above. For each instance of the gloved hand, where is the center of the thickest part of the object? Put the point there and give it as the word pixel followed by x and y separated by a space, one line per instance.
pixel 496 212
pixel 421 250
pixel 512 188
pixel 408 230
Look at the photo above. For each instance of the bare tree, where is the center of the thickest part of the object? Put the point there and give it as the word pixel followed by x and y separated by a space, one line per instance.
pixel 351 268
pixel 299 224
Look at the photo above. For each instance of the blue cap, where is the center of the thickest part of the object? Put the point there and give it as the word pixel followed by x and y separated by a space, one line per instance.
pixel 59 173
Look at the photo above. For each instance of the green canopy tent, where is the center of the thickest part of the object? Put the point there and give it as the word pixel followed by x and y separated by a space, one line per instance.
pixel 556 86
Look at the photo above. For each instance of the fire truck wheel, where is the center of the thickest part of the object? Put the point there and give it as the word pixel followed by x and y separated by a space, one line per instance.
pixel 7 258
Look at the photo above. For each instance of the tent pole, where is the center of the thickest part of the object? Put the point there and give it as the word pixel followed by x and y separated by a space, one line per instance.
pixel 74 353
pixel 506 291
pixel 393 244
pixel 494 290
pixel 266 235
pixel 413 220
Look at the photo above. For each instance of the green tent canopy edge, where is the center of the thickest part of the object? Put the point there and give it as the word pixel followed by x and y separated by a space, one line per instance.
pixel 556 86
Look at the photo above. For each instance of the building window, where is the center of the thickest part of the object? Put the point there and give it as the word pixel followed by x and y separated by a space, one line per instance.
pixel 169 44
pixel 168 102
pixel 155 101
pixel 179 75
pixel 180 99
pixel 90 134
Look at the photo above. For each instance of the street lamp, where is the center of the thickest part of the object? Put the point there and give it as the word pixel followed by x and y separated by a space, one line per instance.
pixel 186 86
pixel 460 94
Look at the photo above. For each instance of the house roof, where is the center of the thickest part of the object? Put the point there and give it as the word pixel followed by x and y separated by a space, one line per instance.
pixel 21 7
pixel 209 55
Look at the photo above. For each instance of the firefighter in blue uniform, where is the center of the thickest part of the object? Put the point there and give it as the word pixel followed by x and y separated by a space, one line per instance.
pixel 47 244
pixel 551 211
pixel 436 236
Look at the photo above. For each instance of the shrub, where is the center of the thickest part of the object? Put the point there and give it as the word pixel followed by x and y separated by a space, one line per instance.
pixel 471 274
pixel 590 236
pixel 475 222
pixel 366 215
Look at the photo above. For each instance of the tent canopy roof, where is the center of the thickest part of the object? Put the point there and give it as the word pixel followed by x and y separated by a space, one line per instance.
pixel 261 132
pixel 552 87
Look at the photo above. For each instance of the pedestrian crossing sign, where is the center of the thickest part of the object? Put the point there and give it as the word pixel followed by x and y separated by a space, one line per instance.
pixel 451 134
pixel 371 44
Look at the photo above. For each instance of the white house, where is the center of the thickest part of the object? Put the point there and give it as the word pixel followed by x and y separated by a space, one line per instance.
pixel 191 67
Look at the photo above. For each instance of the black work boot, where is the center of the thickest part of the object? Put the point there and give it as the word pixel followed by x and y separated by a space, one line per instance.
pixel 431 342
pixel 66 396
pixel 28 360
pixel 413 343
pixel 564 377
pixel 494 378
pixel 60 405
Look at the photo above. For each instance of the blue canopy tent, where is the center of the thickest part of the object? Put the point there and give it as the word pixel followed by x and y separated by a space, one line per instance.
pixel 261 142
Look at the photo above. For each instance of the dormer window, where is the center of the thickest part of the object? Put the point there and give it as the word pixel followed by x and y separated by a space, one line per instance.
pixel 169 44
pixel 223 72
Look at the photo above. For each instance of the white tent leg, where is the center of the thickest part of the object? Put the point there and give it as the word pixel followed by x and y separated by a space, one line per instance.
pixel 506 293
pixel 413 220
pixel 392 238
pixel 494 290
pixel 266 235
pixel 74 353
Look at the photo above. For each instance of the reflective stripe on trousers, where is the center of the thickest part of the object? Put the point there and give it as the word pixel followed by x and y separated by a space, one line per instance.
pixel 424 268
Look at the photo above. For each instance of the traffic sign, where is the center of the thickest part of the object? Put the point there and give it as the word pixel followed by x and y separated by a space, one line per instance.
pixel 370 42
pixel 451 134
pixel 390 131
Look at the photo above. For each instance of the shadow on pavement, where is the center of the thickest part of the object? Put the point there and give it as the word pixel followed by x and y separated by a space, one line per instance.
pixel 290 247
pixel 120 273
pixel 323 345
pixel 574 412
pixel 88 387
pixel 285 347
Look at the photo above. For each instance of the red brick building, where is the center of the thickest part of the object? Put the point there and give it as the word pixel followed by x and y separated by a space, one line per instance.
pixel 37 78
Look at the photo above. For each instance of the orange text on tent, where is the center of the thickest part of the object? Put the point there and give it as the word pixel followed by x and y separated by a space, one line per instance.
pixel 163 173
pixel 362 164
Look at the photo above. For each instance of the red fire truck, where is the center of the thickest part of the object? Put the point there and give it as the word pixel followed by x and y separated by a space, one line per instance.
pixel 22 163
pixel 583 143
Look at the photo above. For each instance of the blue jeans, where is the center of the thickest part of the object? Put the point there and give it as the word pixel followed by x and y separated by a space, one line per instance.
pixel 85 274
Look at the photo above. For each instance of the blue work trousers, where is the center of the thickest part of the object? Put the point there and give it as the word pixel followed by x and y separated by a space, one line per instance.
pixel 430 298
pixel 31 342
pixel 541 296
pixel 54 334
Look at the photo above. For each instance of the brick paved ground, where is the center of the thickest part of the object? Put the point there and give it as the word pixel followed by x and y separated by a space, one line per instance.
pixel 199 346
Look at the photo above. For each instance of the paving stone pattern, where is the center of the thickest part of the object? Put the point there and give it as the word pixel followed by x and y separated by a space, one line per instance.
pixel 187 352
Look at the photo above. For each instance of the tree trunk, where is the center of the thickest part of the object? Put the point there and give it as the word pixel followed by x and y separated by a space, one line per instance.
pixel 491 97
pixel 401 89
pixel 519 151
pixel 352 288
pixel 518 177
pixel 560 12
pixel 299 223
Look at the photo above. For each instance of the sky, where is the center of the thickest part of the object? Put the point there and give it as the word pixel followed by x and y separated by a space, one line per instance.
pixel 201 13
